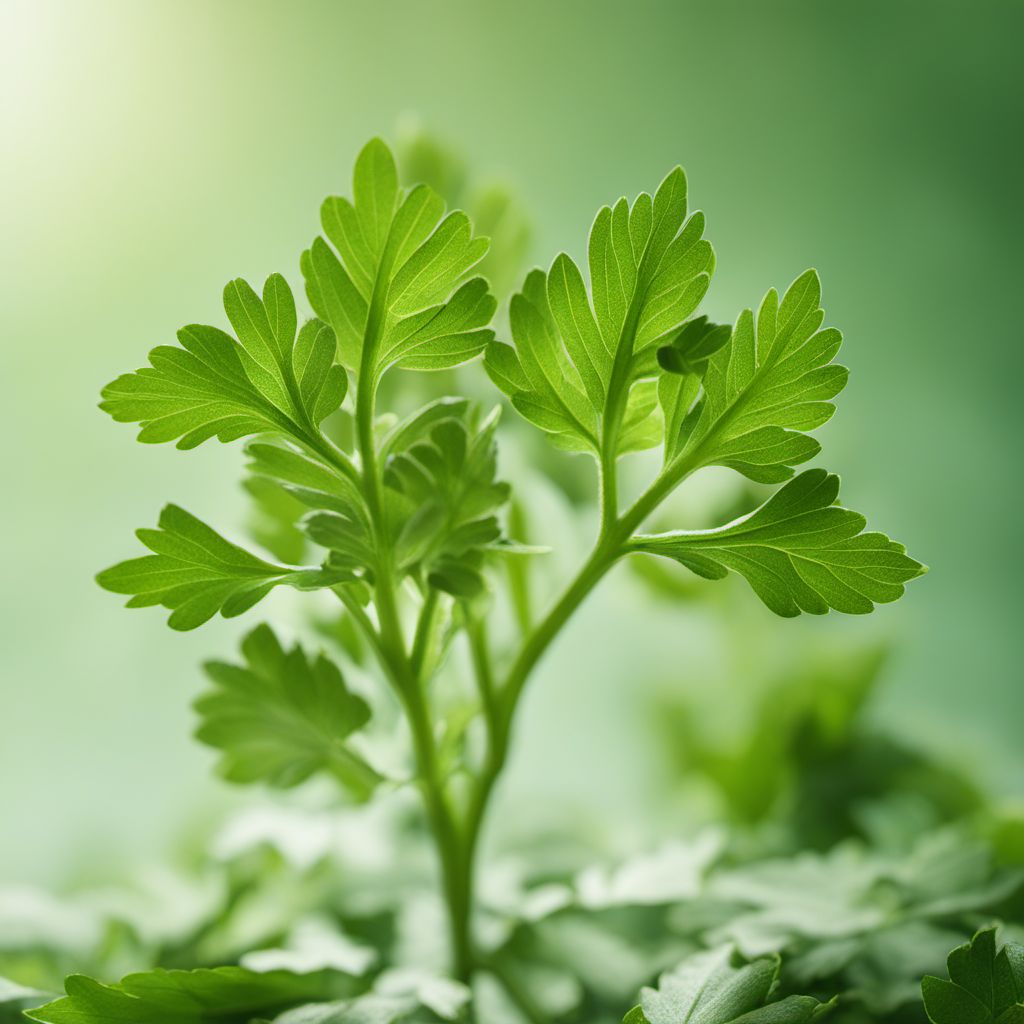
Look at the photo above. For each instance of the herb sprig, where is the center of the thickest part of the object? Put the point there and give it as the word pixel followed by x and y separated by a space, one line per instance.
pixel 411 517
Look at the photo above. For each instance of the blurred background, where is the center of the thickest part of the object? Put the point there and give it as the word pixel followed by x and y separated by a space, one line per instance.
pixel 153 151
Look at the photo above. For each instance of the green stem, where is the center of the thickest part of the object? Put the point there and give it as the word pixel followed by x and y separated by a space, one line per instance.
pixel 397 664
pixel 408 687
pixel 667 481
pixel 476 631
pixel 499 709
pixel 500 703
pixel 609 496
pixel 443 828
pixel 600 561
pixel 518 571
pixel 332 456
pixel 424 632
pixel 457 848
pixel 362 620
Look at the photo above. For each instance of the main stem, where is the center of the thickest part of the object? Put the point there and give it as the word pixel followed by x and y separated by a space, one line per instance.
pixel 500 703
pixel 405 673
pixel 458 846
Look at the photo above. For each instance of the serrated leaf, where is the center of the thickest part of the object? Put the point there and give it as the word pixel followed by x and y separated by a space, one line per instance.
pixel 231 995
pixel 339 520
pixel 798 551
pixel 392 285
pixel 417 424
pixel 196 573
pixel 765 389
pixel 282 717
pixel 578 354
pixel 708 988
pixel 985 986
pixel 215 386
pixel 441 472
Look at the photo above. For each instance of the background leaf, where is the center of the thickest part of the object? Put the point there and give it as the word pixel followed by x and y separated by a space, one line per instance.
pixel 229 994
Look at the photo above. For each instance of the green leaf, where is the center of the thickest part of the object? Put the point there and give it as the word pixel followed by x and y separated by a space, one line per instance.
pixel 386 286
pixel 339 521
pixel 809 896
pixel 273 518
pixel 444 480
pixel 417 424
pixel 196 573
pixel 368 1009
pixel 764 389
pixel 282 716
pixel 798 551
pixel 691 349
pixel 269 380
pixel 543 385
pixel 228 995
pixel 407 994
pixel 643 425
pixel 439 466
pixel 577 356
pixel 707 988
pixel 984 986
pixel 494 209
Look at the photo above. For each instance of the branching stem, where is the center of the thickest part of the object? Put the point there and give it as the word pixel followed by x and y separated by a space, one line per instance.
pixel 457 837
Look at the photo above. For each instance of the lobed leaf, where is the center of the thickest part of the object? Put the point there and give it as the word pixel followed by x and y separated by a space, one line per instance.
pixel 269 380
pixel 441 473
pixel 196 573
pixel 761 392
pixel 798 551
pixel 282 717
pixel 985 986
pixel 388 277
pixel 691 349
pixel 577 355
pixel 338 518
pixel 707 988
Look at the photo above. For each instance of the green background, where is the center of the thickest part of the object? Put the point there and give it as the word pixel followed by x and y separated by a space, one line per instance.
pixel 152 151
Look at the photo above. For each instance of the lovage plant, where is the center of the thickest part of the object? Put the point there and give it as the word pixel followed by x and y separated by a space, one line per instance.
pixel 409 514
